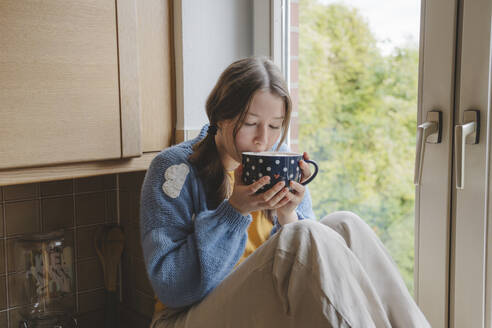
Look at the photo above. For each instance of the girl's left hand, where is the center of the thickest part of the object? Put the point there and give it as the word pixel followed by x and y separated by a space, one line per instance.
pixel 295 196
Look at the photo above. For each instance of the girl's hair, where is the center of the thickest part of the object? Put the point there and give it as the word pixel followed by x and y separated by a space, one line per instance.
pixel 230 99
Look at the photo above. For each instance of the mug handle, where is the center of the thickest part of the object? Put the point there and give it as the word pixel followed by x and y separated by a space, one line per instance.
pixel 312 175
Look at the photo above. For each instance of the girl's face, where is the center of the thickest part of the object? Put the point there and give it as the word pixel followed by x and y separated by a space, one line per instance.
pixel 262 127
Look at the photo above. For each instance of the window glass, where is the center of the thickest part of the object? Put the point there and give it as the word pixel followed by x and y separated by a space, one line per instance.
pixel 354 81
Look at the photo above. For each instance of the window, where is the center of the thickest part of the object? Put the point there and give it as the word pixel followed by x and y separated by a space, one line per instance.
pixel 353 78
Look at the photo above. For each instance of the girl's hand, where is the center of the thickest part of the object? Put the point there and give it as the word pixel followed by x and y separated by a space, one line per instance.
pixel 245 200
pixel 286 213
pixel 305 168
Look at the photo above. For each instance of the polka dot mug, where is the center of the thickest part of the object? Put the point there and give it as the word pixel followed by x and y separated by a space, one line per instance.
pixel 278 165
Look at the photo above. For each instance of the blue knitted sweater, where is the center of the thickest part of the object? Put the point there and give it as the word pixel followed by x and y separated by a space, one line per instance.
pixel 189 248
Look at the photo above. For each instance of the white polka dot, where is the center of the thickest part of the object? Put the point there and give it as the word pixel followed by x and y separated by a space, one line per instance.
pixel 253 167
pixel 260 175
pixel 247 173
pixel 285 169
pixel 260 160
pixel 247 159
pixel 269 169
pixel 277 162
pixel 291 161
pixel 291 176
pixel 297 168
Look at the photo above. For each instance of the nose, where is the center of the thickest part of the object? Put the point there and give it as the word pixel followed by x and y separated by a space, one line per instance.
pixel 261 136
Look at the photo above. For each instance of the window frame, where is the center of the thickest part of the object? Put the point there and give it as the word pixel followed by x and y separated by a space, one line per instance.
pixel 271 38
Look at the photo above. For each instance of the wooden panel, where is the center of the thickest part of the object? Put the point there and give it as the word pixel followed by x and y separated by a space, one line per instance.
pixel 155 69
pixel 58 82
pixel 75 170
pixel 131 116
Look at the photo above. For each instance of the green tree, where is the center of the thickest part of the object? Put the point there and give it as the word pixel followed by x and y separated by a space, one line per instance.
pixel 357 112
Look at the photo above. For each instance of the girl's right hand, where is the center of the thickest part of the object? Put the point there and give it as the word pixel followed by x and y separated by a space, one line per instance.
pixel 245 199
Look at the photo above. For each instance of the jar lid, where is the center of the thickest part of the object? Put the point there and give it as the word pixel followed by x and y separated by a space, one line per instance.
pixel 57 234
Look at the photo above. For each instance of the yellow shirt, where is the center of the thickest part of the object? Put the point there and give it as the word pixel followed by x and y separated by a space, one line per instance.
pixel 258 232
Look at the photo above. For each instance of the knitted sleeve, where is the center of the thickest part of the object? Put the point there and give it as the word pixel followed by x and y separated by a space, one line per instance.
pixel 304 209
pixel 187 254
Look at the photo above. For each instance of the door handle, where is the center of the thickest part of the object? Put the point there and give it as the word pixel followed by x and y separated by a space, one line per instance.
pixel 467 133
pixel 427 132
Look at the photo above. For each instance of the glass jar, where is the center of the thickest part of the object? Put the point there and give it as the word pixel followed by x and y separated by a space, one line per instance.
pixel 47 265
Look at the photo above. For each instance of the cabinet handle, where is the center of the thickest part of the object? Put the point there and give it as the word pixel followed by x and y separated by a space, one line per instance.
pixel 465 134
pixel 427 132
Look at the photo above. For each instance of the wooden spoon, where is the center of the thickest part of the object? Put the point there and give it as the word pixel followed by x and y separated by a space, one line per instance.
pixel 99 237
pixel 115 240
pixel 109 243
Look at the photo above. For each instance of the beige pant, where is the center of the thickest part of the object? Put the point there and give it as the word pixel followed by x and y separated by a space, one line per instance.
pixel 333 273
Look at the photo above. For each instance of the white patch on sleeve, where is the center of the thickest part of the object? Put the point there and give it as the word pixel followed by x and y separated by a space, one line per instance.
pixel 175 177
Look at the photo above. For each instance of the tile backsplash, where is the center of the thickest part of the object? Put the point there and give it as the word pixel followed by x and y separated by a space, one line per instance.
pixel 79 206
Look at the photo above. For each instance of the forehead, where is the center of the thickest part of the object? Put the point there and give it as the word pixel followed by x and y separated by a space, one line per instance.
pixel 266 105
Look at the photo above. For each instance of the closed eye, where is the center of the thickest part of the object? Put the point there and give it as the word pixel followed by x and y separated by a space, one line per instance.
pixel 271 126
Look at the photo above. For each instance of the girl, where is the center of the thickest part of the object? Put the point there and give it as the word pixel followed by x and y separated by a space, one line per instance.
pixel 220 255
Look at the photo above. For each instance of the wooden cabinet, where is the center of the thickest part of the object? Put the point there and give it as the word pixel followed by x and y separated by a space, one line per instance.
pixel 155 56
pixel 83 81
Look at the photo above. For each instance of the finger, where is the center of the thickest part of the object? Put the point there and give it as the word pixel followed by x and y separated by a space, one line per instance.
pixel 277 198
pixel 255 186
pixel 297 188
pixel 285 200
pixel 305 170
pixel 267 195
pixel 238 173
pixel 305 156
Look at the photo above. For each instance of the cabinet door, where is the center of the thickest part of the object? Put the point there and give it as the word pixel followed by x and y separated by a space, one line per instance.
pixel 155 73
pixel 59 91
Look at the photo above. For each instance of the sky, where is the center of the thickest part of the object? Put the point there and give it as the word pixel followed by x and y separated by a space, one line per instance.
pixel 393 21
